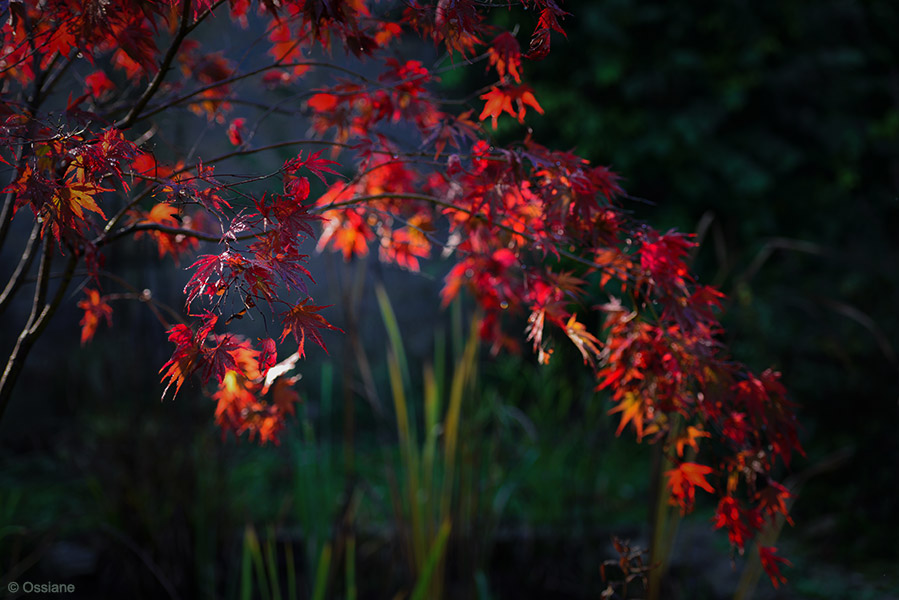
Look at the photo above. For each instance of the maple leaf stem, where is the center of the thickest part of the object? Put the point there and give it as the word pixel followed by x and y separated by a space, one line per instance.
pixel 16 279
pixel 183 30
pixel 41 313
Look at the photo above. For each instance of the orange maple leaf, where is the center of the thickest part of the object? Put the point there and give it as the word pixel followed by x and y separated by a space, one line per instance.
pixel 689 439
pixel 586 342
pixel 164 213
pixel 77 197
pixel 499 100
pixel 95 308
pixel 683 481
pixel 632 409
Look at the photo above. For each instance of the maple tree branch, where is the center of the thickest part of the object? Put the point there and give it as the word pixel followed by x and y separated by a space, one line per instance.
pixel 16 279
pixel 9 202
pixel 254 72
pixel 6 212
pixel 124 210
pixel 32 105
pixel 55 77
pixel 145 296
pixel 274 146
pixel 267 107
pixel 37 321
pixel 168 229
pixel 43 279
pixel 183 30
pixel 205 14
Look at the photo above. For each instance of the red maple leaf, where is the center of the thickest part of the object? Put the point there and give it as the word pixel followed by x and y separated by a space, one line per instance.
pixel 137 41
pixel 235 131
pixel 741 524
pixel 304 319
pixel 505 55
pixel 184 360
pixel 538 48
pixel 772 501
pixel 215 274
pixel 313 163
pixel 323 102
pixel 771 563
pixel 98 84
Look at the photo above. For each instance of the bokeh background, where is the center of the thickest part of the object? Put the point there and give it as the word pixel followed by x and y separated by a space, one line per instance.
pixel 770 128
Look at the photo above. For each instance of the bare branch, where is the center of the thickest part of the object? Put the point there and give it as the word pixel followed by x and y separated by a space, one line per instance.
pixel 41 314
pixel 16 279
pixel 191 233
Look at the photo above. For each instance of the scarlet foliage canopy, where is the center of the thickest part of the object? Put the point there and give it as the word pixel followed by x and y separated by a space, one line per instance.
pixel 533 232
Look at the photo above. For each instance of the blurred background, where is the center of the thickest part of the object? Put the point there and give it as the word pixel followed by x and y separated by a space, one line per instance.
pixel 769 128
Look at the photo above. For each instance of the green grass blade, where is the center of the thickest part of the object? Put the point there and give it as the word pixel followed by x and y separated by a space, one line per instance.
pixel 351 568
pixel 464 369
pixel 271 563
pixel 291 571
pixel 393 332
pixel 321 574
pixel 435 555
pixel 252 547
pixel 410 459
pixel 440 359
pixel 457 334
pixel 429 452
pixel 246 568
